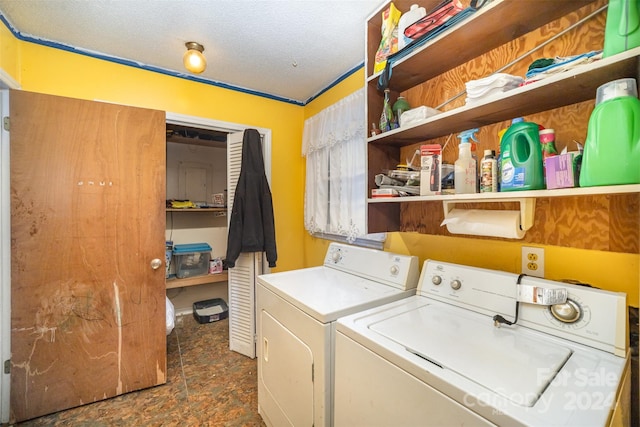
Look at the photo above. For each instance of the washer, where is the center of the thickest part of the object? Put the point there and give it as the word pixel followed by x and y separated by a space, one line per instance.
pixel 443 358
pixel 296 315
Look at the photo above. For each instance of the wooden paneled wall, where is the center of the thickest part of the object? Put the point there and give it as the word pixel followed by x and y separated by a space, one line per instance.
pixel 607 222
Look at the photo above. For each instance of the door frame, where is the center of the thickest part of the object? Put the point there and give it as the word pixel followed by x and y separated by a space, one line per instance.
pixel 6 83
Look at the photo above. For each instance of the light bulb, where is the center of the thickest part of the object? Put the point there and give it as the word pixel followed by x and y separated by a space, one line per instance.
pixel 193 58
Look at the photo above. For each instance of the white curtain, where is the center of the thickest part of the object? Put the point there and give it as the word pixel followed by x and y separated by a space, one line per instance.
pixel 334 143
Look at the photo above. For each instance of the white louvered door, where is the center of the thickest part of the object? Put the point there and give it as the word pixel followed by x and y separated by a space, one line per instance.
pixel 242 278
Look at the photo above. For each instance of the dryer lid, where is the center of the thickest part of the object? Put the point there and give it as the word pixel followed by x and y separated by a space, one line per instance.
pixel 516 365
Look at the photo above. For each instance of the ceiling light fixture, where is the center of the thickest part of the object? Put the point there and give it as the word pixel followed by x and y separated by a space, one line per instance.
pixel 193 58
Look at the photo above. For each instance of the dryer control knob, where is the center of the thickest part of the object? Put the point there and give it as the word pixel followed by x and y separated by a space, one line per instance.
pixel 436 280
pixel 336 256
pixel 394 270
pixel 568 312
pixel 456 284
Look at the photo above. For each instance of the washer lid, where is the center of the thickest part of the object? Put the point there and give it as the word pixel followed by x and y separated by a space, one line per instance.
pixel 326 293
pixel 506 360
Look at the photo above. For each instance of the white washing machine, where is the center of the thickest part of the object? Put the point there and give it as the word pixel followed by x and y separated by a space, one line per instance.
pixel 296 315
pixel 481 347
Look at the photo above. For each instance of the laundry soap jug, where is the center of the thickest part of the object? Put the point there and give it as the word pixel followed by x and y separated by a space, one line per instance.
pixel 612 148
pixel 465 175
pixel 414 13
pixel 521 158
pixel 622 30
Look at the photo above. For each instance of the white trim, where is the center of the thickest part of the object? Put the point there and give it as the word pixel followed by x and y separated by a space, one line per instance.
pixel 5 260
pixel 7 82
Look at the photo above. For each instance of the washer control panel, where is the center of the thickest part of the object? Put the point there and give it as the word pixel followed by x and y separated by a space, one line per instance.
pixel 590 316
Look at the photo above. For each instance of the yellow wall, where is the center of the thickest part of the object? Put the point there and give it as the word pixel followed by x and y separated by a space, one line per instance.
pixel 47 70
pixel 9 56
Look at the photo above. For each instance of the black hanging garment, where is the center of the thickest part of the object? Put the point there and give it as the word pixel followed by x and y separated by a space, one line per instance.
pixel 251 228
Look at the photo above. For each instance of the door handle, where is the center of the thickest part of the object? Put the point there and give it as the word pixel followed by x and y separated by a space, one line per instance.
pixel 156 263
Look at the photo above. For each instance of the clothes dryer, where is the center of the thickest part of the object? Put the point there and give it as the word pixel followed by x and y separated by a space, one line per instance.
pixel 296 315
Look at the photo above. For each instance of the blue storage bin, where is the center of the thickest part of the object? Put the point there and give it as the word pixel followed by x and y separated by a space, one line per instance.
pixel 191 259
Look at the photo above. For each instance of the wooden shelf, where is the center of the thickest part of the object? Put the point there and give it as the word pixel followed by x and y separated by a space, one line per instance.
pixel 570 87
pixel 560 192
pixel 197 280
pixel 223 210
pixel 493 25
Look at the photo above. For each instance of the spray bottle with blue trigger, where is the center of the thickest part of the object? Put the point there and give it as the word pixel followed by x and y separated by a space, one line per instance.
pixel 465 169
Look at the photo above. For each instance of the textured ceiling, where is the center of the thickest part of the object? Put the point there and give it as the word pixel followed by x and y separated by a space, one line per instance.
pixel 286 49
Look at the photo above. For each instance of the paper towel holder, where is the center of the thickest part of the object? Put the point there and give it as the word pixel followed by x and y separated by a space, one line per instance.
pixel 527 208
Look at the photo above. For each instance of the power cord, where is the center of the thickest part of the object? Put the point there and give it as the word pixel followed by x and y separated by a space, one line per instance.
pixel 499 320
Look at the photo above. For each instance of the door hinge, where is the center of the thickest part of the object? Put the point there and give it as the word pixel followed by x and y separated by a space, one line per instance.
pixel 7 366
pixel 5 123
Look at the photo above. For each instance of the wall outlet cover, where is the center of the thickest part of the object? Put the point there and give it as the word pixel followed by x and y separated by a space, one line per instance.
pixel 533 261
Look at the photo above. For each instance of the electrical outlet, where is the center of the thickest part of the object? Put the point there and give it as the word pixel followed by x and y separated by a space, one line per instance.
pixel 533 261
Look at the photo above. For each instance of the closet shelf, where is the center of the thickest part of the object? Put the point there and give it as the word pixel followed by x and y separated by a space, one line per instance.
pixel 570 87
pixel 223 210
pixel 197 280
pixel 498 197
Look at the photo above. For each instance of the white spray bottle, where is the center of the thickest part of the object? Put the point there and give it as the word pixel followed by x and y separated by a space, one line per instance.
pixel 465 167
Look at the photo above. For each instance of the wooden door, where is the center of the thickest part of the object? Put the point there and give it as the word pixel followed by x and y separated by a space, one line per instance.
pixel 87 219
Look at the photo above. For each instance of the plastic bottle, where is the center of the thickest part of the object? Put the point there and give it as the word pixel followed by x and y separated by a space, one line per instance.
pixel 489 173
pixel 622 30
pixel 612 148
pixel 465 167
pixel 521 158
pixel 412 15
pixel 400 106
pixel 386 117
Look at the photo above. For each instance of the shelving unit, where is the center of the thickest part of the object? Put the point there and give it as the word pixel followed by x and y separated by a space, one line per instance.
pixel 494 25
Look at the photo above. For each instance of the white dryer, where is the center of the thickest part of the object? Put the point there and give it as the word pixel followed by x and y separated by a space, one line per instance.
pixel 296 315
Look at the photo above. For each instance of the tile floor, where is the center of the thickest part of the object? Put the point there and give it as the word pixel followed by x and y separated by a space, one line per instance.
pixel 207 385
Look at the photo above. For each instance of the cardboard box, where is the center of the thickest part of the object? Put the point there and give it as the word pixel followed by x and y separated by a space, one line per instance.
pixel 562 171
pixel 384 192
pixel 430 169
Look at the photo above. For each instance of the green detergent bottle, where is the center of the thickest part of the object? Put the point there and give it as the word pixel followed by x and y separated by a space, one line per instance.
pixel 622 30
pixel 521 158
pixel 612 148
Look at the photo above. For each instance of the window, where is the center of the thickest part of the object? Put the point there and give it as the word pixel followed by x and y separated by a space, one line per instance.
pixel 334 143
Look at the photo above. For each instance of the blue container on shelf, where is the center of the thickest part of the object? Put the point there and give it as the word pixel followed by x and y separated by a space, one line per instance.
pixel 191 259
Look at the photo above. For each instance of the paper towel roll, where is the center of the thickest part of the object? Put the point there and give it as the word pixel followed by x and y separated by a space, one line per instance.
pixel 494 223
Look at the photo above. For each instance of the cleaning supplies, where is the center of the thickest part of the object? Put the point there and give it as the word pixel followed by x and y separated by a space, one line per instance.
pixel 622 30
pixel 399 107
pixel 612 147
pixel 412 15
pixel 465 171
pixel 489 173
pixel 386 117
pixel 521 158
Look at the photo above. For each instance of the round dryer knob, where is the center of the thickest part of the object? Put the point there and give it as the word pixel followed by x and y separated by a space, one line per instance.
pixel 455 284
pixel 436 280
pixel 567 312
pixel 394 270
pixel 336 256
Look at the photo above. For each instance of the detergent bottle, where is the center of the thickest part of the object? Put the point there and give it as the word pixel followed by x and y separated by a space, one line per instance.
pixel 521 158
pixel 622 30
pixel 612 147
pixel 465 175
pixel 414 13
